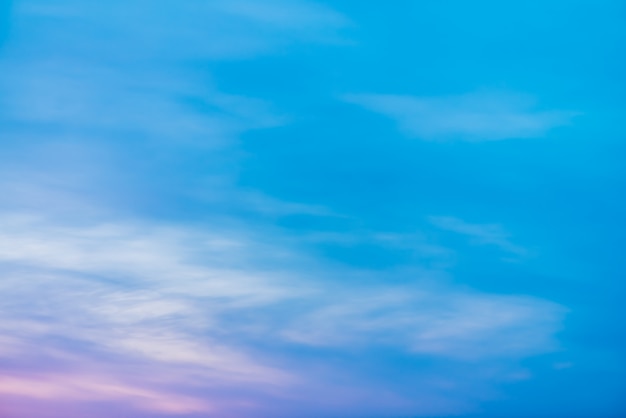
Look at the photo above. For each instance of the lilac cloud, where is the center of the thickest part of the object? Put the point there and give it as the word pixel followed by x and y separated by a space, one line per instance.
pixel 190 304
pixel 104 307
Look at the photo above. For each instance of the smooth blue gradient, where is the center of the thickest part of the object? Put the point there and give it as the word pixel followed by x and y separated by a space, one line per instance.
pixel 289 208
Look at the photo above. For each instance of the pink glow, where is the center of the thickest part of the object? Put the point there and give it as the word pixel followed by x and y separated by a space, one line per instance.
pixel 55 389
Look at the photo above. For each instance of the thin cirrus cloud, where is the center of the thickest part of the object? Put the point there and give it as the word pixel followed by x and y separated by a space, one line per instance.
pixel 127 68
pixel 477 116
pixel 434 322
pixel 81 388
pixel 479 234
pixel 165 29
pixel 108 310
pixel 193 305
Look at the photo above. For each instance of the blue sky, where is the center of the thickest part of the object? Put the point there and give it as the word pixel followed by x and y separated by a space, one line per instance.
pixel 289 208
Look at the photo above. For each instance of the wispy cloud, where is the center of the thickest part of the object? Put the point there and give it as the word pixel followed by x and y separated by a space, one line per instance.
pixel 433 321
pixel 210 316
pixel 98 86
pixel 480 116
pixel 80 388
pixel 128 69
pixel 307 18
pixel 193 304
pixel 480 234
pixel 83 101
pixel 163 30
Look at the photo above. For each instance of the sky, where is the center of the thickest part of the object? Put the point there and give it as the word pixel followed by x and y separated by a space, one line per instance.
pixel 312 209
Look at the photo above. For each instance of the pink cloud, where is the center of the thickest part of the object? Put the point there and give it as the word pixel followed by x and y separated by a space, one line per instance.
pixel 55 389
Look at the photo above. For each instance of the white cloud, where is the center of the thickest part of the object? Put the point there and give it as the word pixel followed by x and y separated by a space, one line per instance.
pixel 89 86
pixel 193 318
pixel 159 30
pixel 286 14
pixel 193 304
pixel 416 245
pixel 480 234
pixel 442 322
pixel 128 70
pixel 125 104
pixel 480 116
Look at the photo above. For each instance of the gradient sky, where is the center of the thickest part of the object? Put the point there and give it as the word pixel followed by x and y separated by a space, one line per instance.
pixel 330 209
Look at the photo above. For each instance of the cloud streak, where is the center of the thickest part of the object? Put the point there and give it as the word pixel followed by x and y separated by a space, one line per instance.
pixel 474 117
pixel 215 314
pixel 142 30
pixel 480 234
pixel 195 304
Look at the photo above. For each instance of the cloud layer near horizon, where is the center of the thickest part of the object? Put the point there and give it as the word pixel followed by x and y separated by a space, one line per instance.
pixel 143 273
pixel 195 305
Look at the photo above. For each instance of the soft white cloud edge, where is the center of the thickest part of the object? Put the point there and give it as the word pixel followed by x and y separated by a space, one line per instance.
pixel 184 299
pixel 162 30
pixel 480 234
pixel 158 295
pixel 477 116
